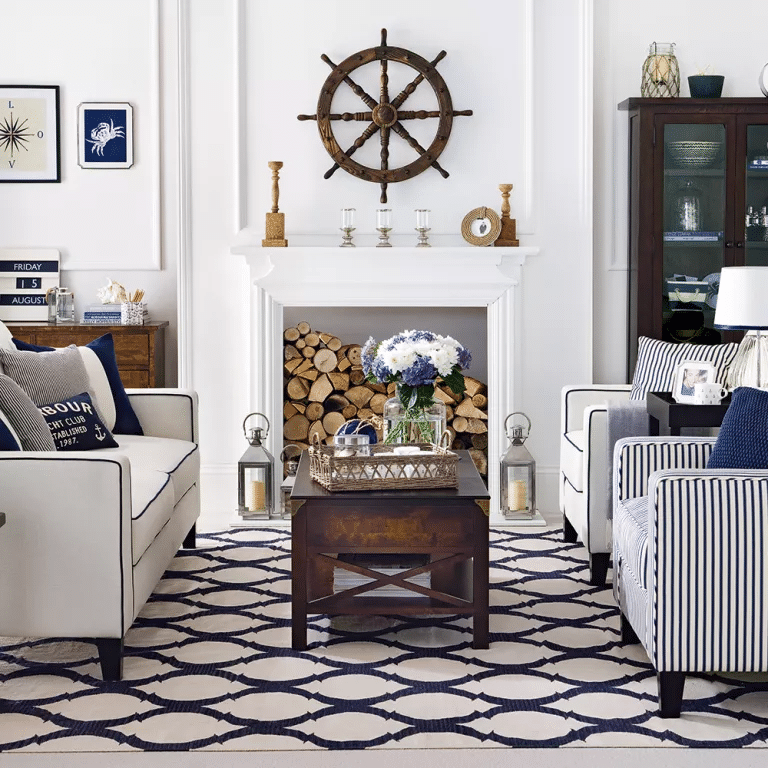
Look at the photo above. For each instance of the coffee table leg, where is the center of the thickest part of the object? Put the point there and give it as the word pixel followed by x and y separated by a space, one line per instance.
pixel 480 582
pixel 299 579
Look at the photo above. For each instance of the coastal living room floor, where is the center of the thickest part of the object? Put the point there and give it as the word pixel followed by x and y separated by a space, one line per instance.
pixel 209 668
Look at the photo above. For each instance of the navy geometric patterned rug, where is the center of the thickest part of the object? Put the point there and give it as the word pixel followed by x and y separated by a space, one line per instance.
pixel 209 667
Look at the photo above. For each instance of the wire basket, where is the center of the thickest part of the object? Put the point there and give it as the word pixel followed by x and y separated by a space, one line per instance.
pixel 431 466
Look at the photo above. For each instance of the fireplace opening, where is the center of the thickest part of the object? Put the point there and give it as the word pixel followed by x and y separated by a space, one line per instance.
pixel 324 385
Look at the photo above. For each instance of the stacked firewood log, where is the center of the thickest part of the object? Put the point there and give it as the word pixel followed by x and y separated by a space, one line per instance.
pixel 324 386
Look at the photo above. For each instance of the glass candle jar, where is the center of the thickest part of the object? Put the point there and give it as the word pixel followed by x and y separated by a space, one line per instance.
pixel 661 74
pixel 384 218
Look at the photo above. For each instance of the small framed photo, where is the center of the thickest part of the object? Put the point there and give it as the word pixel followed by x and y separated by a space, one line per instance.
pixel 105 135
pixel 29 133
pixel 688 374
pixel 481 226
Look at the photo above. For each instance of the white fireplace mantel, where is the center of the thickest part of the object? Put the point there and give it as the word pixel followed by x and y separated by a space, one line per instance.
pixel 401 276
pixel 397 276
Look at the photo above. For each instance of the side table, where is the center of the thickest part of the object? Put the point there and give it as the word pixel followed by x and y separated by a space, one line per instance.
pixel 669 417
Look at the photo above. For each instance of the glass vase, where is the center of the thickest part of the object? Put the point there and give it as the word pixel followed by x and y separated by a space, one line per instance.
pixel 422 422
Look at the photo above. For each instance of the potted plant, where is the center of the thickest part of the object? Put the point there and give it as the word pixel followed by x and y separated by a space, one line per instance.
pixel 705 86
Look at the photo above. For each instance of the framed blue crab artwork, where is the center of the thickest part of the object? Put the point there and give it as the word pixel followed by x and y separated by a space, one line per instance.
pixel 105 135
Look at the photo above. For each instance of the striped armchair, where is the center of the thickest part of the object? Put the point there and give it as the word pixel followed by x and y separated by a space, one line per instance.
pixel 690 574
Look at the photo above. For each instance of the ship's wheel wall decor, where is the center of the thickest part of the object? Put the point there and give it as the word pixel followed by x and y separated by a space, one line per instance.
pixel 384 115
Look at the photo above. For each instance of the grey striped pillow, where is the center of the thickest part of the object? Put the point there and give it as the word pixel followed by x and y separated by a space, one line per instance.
pixel 658 360
pixel 25 417
pixel 47 377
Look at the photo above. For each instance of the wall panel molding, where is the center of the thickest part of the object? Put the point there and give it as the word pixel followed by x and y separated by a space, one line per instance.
pixel 154 260
pixel 184 271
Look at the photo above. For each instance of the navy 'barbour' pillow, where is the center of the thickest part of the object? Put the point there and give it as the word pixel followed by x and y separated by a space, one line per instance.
pixel 75 425
pixel 742 442
pixel 126 421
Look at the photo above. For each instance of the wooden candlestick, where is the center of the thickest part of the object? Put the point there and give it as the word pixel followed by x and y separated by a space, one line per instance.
pixel 275 228
pixel 508 235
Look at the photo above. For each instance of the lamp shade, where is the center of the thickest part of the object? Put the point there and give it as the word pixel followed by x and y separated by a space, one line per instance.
pixel 742 299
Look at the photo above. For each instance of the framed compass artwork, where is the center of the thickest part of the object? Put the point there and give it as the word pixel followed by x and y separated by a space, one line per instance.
pixel 105 135
pixel 29 133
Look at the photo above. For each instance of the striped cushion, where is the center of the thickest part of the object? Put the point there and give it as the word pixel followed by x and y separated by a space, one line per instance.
pixel 630 535
pixel 658 360
pixel 25 418
pixel 47 377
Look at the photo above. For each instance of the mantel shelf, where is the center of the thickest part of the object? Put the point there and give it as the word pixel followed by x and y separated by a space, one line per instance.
pixel 442 275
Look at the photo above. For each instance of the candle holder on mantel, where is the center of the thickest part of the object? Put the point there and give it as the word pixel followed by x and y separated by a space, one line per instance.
pixel 347 227
pixel 384 225
pixel 422 227
pixel 508 235
pixel 275 220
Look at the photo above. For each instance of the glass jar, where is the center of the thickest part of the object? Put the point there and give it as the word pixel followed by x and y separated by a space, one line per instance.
pixel 661 73
pixel 65 306
pixel 686 208
pixel 424 423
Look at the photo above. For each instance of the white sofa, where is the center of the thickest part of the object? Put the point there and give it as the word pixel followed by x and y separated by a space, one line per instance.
pixel 88 534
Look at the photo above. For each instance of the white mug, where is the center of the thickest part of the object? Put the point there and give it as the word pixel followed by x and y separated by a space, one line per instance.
pixel 708 393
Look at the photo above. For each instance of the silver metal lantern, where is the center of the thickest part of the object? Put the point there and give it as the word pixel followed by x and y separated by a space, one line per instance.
pixel 255 470
pixel 518 473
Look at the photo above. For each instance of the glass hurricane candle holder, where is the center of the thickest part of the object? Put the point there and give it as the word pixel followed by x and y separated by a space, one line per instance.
pixel 384 225
pixel 661 73
pixel 422 227
pixel 347 227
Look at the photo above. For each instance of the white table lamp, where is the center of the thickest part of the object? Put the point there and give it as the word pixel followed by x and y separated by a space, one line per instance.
pixel 742 305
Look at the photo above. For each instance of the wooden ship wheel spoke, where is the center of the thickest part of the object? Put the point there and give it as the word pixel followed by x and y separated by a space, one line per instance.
pixel 385 116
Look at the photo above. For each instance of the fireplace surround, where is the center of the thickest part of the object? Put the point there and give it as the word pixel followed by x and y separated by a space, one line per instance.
pixel 406 279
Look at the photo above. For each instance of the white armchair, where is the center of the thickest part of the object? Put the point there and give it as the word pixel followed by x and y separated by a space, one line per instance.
pixel 690 572
pixel 585 471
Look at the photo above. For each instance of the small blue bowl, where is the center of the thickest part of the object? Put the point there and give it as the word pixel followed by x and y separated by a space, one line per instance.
pixel 706 86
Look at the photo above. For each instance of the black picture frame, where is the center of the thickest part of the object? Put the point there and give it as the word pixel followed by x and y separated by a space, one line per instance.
pixel 30 134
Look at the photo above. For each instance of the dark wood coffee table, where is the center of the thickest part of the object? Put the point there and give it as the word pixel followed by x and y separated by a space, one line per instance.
pixel 448 525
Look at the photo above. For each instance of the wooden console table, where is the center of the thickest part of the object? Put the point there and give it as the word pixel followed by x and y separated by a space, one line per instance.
pixel 449 525
pixel 140 349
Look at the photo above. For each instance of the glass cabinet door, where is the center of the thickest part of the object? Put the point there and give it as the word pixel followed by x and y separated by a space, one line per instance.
pixel 756 213
pixel 694 216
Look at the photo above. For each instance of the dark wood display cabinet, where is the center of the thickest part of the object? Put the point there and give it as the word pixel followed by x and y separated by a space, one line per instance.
pixel 698 201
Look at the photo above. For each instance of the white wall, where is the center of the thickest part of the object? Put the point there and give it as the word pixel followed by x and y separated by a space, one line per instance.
pixel 730 39
pixel 233 76
pixel 106 223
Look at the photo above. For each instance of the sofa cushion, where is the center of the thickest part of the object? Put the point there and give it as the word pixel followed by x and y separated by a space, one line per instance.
pixel 24 417
pixel 572 458
pixel 152 505
pixel 742 442
pixel 657 362
pixel 177 458
pixel 9 440
pixel 630 534
pixel 125 421
pixel 75 425
pixel 6 337
pixel 47 376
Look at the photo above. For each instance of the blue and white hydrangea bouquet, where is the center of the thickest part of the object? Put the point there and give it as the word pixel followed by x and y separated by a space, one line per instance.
pixel 414 360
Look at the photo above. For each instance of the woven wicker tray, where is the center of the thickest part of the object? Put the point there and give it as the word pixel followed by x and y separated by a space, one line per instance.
pixel 432 467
